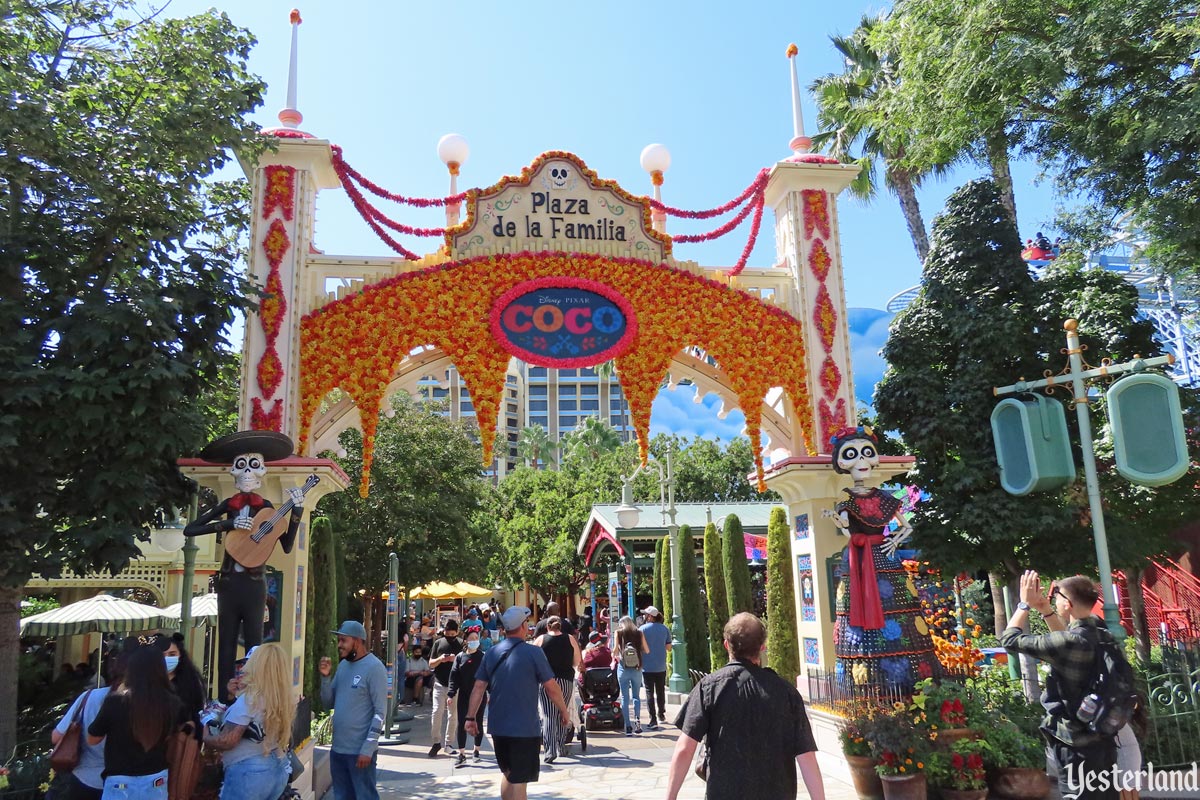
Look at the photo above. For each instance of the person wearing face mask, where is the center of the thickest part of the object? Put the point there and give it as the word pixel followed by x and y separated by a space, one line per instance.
pixel 416 675
pixel 185 678
pixel 462 674
pixel 445 714
pixel 358 696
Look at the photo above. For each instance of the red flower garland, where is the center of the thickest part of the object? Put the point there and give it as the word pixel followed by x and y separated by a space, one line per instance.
pixel 825 318
pixel 280 190
pixel 345 171
pixel 832 419
pixel 688 238
pixel 756 186
pixel 745 256
pixel 819 260
pixel 273 307
pixel 270 371
pixel 816 212
pixel 831 377
pixel 261 420
pixel 276 243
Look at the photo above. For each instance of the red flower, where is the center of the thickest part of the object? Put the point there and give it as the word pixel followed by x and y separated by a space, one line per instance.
pixel 975 761
pixel 957 761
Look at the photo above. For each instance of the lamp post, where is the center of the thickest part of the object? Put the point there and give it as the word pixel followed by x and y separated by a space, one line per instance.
pixel 452 150
pixel 656 159
pixel 627 517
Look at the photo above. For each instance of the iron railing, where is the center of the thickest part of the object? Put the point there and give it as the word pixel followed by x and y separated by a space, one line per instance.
pixel 1172 694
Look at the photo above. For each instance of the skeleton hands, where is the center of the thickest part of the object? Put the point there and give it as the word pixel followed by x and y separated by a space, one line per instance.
pixel 840 519
pixel 297 497
pixel 897 538
pixel 243 522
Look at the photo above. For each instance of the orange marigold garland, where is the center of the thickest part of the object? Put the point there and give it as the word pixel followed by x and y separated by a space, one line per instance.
pixel 280 191
pixel 355 343
pixel 825 318
pixel 816 213
pixel 819 260
pixel 831 377
pixel 273 307
pixel 262 420
pixel 276 243
pixel 270 371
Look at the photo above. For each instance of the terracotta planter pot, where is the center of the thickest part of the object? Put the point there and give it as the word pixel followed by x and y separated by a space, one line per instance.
pixel 952 735
pixel 964 794
pixel 1020 783
pixel 867 784
pixel 904 787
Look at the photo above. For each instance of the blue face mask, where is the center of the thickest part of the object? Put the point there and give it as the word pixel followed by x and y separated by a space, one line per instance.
pixel 172 662
pixel 472 646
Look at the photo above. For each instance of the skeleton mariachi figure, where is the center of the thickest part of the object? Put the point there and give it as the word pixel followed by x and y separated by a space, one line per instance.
pixel 242 589
pixel 880 637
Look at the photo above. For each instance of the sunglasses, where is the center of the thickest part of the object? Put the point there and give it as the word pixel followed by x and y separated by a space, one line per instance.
pixel 1056 592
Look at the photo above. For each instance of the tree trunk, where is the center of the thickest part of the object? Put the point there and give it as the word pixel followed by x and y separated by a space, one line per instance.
pixel 10 650
pixel 1137 610
pixel 997 154
pixel 999 615
pixel 907 194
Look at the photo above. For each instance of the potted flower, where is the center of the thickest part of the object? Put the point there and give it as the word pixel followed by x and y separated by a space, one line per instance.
pixel 959 772
pixel 952 711
pixel 901 745
pixel 852 733
pixel 1019 760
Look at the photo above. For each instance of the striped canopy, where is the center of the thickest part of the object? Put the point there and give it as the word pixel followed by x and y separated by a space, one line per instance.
pixel 100 614
pixel 204 611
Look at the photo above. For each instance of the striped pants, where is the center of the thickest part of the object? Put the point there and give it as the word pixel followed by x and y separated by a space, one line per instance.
pixel 553 729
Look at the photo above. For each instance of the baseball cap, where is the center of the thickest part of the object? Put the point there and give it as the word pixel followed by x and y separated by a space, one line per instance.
pixel 652 611
pixel 513 616
pixel 594 636
pixel 246 657
pixel 352 628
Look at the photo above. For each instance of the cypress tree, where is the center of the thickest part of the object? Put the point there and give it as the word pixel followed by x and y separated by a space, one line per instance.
pixel 664 555
pixel 718 604
pixel 322 605
pixel 783 649
pixel 692 610
pixel 735 567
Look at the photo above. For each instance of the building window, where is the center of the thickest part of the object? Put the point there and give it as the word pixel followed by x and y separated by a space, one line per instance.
pixel 510 379
pixel 538 405
pixel 465 406
pixel 567 404
pixel 587 372
pixel 539 421
pixel 512 393
pixel 512 408
pixel 614 405
pixel 589 390
pixel 512 422
pixel 589 405
pixel 537 391
pixel 440 394
pixel 567 422
pixel 615 390
pixel 537 372
pixel 616 421
pixel 512 436
pixel 566 373
pixel 568 390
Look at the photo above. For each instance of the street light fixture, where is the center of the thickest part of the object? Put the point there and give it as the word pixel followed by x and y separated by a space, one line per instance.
pixel 627 517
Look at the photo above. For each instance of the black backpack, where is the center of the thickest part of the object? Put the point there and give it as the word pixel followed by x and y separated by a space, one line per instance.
pixel 1110 696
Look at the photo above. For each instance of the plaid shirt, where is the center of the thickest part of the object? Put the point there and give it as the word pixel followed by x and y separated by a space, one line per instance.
pixel 1071 655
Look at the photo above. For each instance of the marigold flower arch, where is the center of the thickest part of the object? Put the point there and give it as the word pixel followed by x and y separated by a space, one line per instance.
pixel 356 343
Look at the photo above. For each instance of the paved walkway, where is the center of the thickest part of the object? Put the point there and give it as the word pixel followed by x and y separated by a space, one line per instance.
pixel 614 767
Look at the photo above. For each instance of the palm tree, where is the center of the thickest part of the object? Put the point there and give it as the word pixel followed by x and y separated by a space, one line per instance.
pixel 605 373
pixel 592 438
pixel 535 447
pixel 851 114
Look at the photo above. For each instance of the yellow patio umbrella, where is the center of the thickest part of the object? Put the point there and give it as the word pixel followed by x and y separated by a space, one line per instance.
pixel 435 590
pixel 468 590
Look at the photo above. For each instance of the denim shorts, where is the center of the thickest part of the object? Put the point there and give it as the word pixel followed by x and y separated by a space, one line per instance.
pixel 136 787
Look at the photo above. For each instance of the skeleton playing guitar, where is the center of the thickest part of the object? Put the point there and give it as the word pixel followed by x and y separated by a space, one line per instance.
pixel 251 548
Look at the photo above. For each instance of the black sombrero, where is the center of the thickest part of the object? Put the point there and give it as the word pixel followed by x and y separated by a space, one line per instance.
pixel 273 446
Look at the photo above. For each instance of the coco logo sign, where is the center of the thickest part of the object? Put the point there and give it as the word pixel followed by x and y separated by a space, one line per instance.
pixel 563 322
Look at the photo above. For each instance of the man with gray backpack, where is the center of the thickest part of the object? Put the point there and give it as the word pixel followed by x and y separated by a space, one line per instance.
pixel 1089 695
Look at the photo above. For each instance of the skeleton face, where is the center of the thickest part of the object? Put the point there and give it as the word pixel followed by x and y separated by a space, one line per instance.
pixel 248 471
pixel 857 457
pixel 558 177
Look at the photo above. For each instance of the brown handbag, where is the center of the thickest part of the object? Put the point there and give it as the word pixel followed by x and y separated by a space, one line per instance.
pixel 65 755
pixel 183 764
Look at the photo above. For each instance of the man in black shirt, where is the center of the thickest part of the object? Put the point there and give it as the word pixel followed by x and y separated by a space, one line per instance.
pixel 754 723
pixel 445 710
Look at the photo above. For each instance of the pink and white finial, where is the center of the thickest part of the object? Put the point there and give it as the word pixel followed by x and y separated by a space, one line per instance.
pixel 799 143
pixel 656 159
pixel 290 116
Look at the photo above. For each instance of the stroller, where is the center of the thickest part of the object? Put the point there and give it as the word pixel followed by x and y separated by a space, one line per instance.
pixel 601 697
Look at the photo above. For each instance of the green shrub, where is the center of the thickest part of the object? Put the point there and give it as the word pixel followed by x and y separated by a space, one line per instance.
pixel 735 567
pixel 783 646
pixel 692 610
pixel 714 587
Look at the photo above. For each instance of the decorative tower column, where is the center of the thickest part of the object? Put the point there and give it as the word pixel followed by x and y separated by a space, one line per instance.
pixel 803 190
pixel 285 185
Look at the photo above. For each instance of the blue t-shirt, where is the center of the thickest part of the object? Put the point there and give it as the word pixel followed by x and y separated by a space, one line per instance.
pixel 513 687
pixel 658 636
pixel 91 757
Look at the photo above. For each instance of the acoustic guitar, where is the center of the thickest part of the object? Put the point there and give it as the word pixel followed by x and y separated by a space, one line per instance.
pixel 251 548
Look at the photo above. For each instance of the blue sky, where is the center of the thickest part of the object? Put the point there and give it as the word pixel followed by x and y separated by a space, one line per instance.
pixel 707 79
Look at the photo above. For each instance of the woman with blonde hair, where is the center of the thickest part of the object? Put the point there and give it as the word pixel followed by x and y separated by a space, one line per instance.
pixel 257 729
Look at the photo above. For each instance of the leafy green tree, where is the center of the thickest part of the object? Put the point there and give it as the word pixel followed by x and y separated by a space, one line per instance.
pixel 118 276
pixel 854 125
pixel 783 646
pixel 322 607
pixel 736 569
pixel 426 502
pixel 706 471
pixel 693 611
pixel 718 604
pixel 664 558
pixel 535 446
pixel 591 439
pixel 539 514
